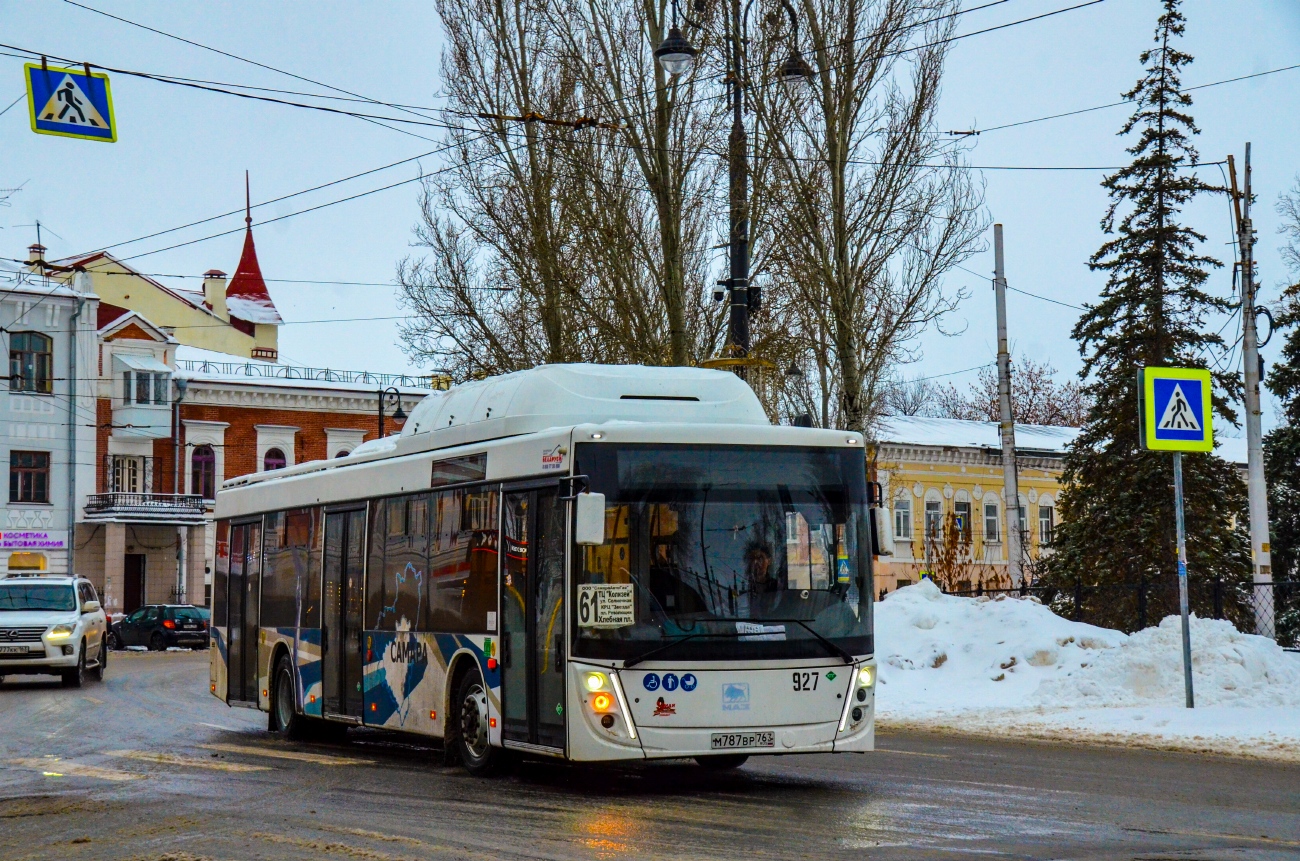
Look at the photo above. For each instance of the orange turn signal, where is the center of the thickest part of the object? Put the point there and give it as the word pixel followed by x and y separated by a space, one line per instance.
pixel 492 663
pixel 601 702
pixel 492 722
pixel 433 715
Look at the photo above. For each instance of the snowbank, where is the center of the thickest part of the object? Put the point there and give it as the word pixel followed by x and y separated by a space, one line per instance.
pixel 1012 666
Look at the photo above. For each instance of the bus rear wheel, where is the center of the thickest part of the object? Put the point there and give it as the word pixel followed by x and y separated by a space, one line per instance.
pixel 477 754
pixel 722 762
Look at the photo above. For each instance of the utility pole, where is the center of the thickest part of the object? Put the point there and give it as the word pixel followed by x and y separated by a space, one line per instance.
pixel 1007 428
pixel 1253 367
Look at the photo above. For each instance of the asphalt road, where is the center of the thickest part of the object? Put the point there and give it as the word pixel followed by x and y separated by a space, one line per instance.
pixel 148 766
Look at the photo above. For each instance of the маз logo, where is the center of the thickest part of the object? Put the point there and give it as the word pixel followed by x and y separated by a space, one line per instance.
pixel 735 697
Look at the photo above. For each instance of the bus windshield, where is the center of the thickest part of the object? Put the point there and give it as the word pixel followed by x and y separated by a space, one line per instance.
pixel 725 553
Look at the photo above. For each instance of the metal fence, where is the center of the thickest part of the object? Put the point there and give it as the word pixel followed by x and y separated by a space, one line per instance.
pixel 1131 607
pixel 332 375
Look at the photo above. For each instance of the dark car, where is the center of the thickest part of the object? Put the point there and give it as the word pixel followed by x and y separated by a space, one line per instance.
pixel 161 626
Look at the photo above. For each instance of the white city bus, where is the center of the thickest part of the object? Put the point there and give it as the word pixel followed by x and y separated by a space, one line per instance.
pixel 579 561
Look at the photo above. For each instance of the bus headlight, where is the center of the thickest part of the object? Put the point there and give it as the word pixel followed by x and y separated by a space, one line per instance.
pixel 867 676
pixel 594 681
pixel 60 632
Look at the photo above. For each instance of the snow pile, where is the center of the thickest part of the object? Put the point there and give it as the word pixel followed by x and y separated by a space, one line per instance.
pixel 1011 666
pixel 944 653
pixel 1228 668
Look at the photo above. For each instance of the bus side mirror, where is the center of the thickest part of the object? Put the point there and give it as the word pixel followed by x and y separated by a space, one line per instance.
pixel 882 535
pixel 589 519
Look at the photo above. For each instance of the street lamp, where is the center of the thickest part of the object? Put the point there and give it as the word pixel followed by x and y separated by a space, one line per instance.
pixel 399 416
pixel 677 55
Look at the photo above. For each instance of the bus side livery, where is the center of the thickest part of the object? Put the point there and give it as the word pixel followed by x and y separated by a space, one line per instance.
pixel 578 561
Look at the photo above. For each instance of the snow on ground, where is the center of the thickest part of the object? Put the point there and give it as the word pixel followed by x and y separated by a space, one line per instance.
pixel 1011 667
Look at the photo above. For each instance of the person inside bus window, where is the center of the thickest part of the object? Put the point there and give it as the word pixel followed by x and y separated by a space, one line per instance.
pixel 758 568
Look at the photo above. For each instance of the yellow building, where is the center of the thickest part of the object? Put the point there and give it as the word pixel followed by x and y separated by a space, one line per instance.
pixel 942 480
pixel 238 318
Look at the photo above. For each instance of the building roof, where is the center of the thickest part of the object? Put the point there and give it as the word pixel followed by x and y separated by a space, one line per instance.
pixel 247 297
pixel 923 430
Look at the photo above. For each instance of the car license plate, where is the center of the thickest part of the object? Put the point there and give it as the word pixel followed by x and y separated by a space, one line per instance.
pixel 14 650
pixel 729 740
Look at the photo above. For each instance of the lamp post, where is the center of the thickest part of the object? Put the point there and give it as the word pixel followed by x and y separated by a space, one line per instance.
pixel 677 55
pixel 399 416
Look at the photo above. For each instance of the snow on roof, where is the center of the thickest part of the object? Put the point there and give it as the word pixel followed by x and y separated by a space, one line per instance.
pixel 923 430
pixel 253 309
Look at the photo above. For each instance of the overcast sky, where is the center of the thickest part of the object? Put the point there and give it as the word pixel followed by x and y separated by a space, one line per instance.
pixel 181 153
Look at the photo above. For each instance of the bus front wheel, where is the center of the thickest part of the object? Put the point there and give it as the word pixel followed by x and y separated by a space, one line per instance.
pixel 285 719
pixel 477 754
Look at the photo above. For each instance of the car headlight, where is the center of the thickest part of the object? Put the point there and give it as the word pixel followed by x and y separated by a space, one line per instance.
pixel 61 632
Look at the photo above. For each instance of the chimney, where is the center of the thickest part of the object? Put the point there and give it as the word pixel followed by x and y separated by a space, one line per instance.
pixel 36 253
pixel 214 292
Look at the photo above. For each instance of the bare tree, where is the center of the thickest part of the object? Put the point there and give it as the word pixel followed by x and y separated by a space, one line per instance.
pixel 664 131
pixel 873 207
pixel 1036 397
pixel 488 295
pixel 904 397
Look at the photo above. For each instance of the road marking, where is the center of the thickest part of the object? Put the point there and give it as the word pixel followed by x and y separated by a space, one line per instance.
pixel 46 766
pixel 911 752
pixel 223 728
pixel 186 761
pixel 1273 841
pixel 93 700
pixel 317 758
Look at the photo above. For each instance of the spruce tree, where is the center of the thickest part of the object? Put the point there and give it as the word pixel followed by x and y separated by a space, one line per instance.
pixel 1117 509
pixel 1282 445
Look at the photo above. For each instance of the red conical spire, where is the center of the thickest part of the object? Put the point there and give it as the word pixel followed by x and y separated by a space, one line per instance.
pixel 247 297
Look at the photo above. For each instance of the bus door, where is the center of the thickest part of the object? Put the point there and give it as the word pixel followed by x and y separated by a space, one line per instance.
pixel 341 667
pixel 245 593
pixel 533 537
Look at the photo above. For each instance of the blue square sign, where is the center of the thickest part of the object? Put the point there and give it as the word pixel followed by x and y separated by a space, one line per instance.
pixel 73 103
pixel 1176 409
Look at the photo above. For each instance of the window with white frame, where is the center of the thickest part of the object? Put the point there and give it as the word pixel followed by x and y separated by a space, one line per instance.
pixel 903 518
pixel 961 509
pixel 933 519
pixel 1046 523
pixel 992 523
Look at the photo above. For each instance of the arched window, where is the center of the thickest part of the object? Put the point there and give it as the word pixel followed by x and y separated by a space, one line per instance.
pixel 274 459
pixel 343 453
pixel 31 362
pixel 203 472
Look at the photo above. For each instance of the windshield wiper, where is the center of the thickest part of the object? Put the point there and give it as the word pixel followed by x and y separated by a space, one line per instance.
pixel 831 647
pixel 657 649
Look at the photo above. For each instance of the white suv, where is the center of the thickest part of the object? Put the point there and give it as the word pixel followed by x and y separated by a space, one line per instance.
pixel 52 625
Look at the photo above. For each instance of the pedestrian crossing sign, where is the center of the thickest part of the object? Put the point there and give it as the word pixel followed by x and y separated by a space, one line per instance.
pixel 72 103
pixel 1176 410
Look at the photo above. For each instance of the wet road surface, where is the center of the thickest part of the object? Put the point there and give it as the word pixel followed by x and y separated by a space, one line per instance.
pixel 147 765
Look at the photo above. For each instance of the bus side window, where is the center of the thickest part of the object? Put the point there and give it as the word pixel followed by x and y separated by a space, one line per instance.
pixel 462 587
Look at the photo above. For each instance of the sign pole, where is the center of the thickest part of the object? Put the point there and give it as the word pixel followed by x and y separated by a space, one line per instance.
pixel 1182 577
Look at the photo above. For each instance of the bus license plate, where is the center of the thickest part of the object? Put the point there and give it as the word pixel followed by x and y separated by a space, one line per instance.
pixel 729 740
